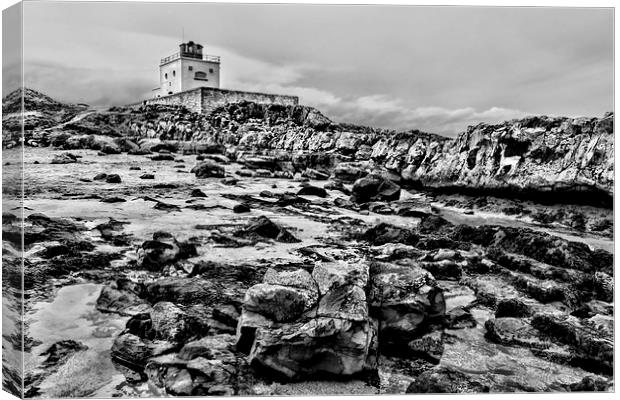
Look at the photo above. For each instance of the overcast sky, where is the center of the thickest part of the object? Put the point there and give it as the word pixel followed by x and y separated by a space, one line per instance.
pixel 437 69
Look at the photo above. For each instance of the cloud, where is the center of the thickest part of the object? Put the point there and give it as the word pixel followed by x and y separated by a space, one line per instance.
pixel 387 112
pixel 379 110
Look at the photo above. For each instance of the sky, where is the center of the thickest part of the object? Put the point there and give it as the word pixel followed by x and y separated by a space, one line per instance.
pixel 437 69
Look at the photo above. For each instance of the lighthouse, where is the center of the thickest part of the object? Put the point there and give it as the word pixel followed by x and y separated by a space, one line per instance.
pixel 188 69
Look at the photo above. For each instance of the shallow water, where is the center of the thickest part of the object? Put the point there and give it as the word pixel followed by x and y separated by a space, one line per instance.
pixel 72 315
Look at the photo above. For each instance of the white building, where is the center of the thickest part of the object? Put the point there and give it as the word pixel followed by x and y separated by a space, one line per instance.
pixel 188 69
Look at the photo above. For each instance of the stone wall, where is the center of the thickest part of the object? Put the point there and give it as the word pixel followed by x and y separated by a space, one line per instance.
pixel 205 100
pixel 191 99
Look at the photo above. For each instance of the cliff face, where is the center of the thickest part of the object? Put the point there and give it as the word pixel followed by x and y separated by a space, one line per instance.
pixel 534 154
pixel 527 156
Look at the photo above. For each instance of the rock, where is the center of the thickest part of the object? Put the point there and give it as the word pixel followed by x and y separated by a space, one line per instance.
pixel 197 193
pixel 124 302
pixel 264 227
pixel 335 338
pixel 204 367
pixel 131 351
pixel 288 200
pixel 100 177
pixel 445 380
pixel 241 208
pixel 282 296
pixel 172 324
pixel 514 331
pixel 245 173
pixel 332 275
pixel 444 269
pixel 8 218
pixel 259 162
pixel 208 169
pixel 594 347
pixel 134 168
pixel 64 158
pixel 321 346
pixel 113 178
pixel 604 286
pixel 428 347
pixel 279 303
pixel 312 191
pixel 163 157
pixel 512 307
pixel 405 299
pixel 113 199
pixel 315 174
pixel 147 176
pixel 162 250
pixel 160 205
pixel 188 291
pixel 337 185
pixel 460 318
pixel 540 246
pixel 263 173
pixel 229 181
pixel 60 351
pixel 374 188
pixel 348 172
pixel 591 384
pixel 110 149
pixel 227 314
pixel 385 233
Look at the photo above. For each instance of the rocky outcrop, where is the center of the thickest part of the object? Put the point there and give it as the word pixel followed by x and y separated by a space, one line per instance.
pixel 299 325
pixel 41 111
pixel 538 154
pixel 533 156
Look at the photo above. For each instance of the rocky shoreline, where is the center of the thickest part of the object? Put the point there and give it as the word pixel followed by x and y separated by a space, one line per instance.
pixel 268 251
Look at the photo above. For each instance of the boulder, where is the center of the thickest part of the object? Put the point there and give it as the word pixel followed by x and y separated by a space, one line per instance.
pixel 162 250
pixel 123 302
pixel 113 178
pixel 310 190
pixel 64 158
pixel 197 193
pixel 405 300
pixel 208 169
pixel 241 208
pixel 172 324
pixel 374 188
pixel 130 351
pixel 264 227
pixel 282 296
pixel 328 331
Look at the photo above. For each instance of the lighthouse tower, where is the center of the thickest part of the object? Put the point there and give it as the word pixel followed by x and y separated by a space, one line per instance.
pixel 188 69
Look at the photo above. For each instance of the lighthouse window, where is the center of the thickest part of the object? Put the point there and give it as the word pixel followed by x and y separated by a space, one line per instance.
pixel 200 75
pixel 174 73
pixel 210 70
pixel 191 68
pixel 166 75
